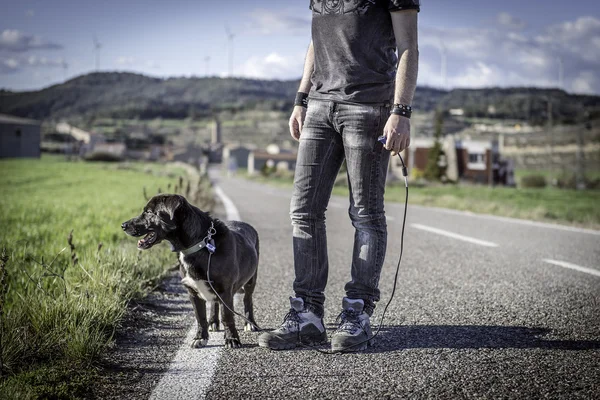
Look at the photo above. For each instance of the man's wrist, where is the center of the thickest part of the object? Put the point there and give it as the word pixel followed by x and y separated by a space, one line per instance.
pixel 403 110
pixel 301 99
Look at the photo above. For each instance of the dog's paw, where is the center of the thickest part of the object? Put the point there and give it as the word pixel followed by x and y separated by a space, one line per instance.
pixel 233 343
pixel 248 327
pixel 213 327
pixel 197 343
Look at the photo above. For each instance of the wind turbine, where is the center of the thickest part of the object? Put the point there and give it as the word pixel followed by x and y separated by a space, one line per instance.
pixel 444 64
pixel 207 61
pixel 97 46
pixel 230 37
pixel 64 66
pixel 561 72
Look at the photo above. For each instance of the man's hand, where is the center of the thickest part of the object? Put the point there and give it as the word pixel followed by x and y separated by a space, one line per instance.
pixel 397 131
pixel 297 121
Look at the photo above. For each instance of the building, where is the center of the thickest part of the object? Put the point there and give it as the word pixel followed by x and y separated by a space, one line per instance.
pixel 237 155
pixel 88 140
pixel 257 160
pixel 19 137
pixel 472 160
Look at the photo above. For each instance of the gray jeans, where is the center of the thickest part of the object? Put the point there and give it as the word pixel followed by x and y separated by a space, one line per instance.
pixel 334 131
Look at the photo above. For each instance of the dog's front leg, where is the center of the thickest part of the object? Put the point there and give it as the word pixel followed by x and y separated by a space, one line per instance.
pixel 232 338
pixel 201 338
pixel 213 316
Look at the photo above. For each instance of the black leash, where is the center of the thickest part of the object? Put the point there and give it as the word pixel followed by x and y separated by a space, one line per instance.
pixel 342 350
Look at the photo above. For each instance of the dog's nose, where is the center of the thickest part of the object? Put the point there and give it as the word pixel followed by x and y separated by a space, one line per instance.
pixel 124 225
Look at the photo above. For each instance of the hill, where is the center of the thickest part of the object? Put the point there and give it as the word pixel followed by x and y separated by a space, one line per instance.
pixel 128 95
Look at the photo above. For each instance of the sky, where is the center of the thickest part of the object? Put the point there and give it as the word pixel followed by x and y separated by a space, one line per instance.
pixel 485 43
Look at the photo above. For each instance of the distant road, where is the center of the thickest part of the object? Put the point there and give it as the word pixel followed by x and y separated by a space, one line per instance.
pixel 486 307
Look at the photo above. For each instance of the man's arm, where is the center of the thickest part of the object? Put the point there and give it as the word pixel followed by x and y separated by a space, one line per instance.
pixel 297 119
pixel 397 128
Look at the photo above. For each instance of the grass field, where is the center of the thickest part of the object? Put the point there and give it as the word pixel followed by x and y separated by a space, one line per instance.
pixel 59 315
pixel 563 206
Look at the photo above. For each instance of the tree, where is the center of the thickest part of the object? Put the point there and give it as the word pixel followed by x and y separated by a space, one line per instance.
pixel 433 171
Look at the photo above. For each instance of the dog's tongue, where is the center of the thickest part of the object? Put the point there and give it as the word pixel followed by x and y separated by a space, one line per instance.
pixel 142 241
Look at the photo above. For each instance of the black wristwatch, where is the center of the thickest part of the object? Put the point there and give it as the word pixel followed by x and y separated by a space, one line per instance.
pixel 402 109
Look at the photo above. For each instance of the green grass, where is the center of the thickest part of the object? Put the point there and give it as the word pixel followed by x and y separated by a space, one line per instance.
pixel 60 316
pixel 550 175
pixel 563 206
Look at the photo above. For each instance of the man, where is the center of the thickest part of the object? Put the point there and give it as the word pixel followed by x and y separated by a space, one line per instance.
pixel 356 88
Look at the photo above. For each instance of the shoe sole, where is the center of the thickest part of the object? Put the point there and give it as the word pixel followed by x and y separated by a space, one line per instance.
pixel 350 349
pixel 283 345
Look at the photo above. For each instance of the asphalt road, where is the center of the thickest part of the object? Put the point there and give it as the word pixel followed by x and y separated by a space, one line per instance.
pixel 485 308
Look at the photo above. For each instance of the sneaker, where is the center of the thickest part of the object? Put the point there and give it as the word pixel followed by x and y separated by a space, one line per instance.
pixel 354 327
pixel 299 326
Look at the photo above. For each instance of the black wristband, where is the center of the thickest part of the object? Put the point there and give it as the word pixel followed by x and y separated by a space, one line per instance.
pixel 301 99
pixel 402 109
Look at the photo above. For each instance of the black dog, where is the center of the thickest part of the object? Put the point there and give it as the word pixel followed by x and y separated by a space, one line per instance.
pixel 195 235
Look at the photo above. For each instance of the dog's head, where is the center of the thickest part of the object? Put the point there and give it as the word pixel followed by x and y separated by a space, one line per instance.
pixel 157 222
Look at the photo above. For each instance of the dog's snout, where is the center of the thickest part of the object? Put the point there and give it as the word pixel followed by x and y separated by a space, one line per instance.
pixel 124 225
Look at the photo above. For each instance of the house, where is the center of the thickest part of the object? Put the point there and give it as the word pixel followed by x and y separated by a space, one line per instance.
pixel 88 140
pixel 236 155
pixel 19 137
pixel 272 157
pixel 60 143
pixel 473 160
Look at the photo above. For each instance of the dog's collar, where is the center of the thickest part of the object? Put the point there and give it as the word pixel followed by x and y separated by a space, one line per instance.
pixel 207 242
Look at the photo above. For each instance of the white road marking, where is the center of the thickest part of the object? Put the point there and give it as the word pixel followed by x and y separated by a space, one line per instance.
pixel 191 371
pixel 230 208
pixel 511 220
pixel 576 267
pixel 454 235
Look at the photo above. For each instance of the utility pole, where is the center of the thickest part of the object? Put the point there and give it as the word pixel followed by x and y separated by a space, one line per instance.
pixel 550 130
pixel 580 157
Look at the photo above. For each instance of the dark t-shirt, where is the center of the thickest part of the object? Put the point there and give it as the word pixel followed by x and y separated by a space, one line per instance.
pixel 355 49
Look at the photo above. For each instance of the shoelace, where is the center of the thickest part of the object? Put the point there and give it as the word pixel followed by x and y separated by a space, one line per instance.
pixel 290 318
pixel 349 321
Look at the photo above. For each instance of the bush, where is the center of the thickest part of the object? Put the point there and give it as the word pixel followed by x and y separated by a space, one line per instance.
pixel 341 181
pixel 533 181
pixel 417 174
pixel 103 156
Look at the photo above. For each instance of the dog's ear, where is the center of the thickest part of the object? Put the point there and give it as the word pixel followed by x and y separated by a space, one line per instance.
pixel 172 205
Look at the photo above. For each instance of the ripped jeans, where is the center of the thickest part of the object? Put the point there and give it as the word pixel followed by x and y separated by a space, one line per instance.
pixel 334 131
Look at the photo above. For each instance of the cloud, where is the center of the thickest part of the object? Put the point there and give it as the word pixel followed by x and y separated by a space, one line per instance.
pixel 129 61
pixel 587 82
pixel 265 22
pixel 125 61
pixel 8 66
pixel 488 56
pixel 30 13
pixel 15 41
pixel 272 66
pixel 508 21
pixel 36 61
pixel 18 63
